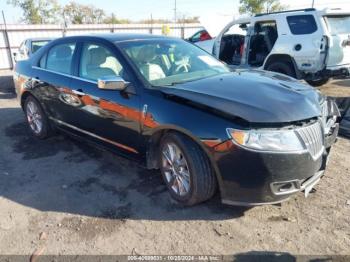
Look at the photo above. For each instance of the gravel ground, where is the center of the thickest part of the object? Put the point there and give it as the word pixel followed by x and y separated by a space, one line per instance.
pixel 60 196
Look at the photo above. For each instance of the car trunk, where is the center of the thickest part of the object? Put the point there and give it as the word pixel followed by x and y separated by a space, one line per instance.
pixel 339 50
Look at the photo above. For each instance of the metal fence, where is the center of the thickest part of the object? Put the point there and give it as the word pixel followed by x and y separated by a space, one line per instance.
pixel 11 36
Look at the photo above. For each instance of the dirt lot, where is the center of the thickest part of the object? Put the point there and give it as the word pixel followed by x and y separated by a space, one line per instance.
pixel 60 196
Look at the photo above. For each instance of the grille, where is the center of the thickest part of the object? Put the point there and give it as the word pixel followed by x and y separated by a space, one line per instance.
pixel 313 138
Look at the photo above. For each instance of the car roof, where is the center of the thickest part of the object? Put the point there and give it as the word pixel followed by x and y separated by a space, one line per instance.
pixel 120 37
pixel 40 39
pixel 320 12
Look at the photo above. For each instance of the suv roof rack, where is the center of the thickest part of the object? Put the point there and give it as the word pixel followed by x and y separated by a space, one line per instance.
pixel 288 11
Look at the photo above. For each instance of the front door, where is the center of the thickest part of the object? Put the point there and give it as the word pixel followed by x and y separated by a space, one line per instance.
pixel 110 116
pixel 262 40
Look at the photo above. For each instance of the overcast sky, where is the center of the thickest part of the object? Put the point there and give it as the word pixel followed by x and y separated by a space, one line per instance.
pixel 142 9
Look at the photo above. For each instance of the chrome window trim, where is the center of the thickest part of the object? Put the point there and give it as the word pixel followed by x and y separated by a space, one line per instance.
pixel 67 75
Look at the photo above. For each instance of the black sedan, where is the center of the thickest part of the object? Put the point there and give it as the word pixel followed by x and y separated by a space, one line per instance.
pixel 257 137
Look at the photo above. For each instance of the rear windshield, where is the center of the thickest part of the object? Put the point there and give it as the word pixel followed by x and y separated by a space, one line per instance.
pixel 302 24
pixel 339 24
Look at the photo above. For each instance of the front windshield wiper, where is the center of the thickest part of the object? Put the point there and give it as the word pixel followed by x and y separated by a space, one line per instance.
pixel 177 83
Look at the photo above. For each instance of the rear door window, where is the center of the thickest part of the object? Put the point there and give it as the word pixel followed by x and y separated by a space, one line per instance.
pixel 302 24
pixel 59 58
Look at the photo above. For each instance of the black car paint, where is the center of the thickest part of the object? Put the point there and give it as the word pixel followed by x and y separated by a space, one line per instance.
pixel 202 110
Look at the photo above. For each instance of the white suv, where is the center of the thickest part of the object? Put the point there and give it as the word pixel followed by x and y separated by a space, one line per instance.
pixel 308 44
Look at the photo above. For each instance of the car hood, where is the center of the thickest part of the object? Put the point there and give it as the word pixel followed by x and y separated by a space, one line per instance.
pixel 255 96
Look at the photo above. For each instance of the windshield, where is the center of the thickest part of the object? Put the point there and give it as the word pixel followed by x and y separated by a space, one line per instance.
pixel 38 44
pixel 169 62
pixel 339 24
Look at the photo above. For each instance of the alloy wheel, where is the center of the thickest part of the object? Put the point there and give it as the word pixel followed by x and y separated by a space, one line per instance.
pixel 176 169
pixel 34 117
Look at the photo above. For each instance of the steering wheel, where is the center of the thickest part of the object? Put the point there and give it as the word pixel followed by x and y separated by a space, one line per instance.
pixel 183 65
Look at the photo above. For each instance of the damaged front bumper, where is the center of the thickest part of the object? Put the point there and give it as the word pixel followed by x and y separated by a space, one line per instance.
pixel 250 178
pixel 267 178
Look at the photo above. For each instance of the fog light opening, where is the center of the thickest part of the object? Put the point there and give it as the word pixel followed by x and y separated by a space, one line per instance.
pixel 284 188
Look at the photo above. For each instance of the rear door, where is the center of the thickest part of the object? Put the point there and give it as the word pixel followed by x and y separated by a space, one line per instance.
pixel 339 28
pixel 52 76
pixel 307 44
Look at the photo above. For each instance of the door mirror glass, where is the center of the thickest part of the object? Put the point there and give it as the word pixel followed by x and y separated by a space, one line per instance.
pixel 112 83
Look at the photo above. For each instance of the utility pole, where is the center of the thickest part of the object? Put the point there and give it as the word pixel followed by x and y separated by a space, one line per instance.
pixel 313 3
pixel 7 41
pixel 175 14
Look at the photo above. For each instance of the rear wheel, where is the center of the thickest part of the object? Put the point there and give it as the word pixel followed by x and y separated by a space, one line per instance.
pixel 186 170
pixel 319 82
pixel 36 118
pixel 283 68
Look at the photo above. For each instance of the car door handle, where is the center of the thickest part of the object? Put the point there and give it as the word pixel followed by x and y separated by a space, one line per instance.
pixel 36 79
pixel 79 92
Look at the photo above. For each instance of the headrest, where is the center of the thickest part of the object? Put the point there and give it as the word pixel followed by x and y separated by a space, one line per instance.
pixel 63 51
pixel 269 29
pixel 146 54
pixel 258 28
pixel 98 56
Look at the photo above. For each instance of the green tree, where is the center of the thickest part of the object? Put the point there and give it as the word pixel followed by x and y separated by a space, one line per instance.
pixel 82 14
pixel 38 11
pixel 112 19
pixel 260 6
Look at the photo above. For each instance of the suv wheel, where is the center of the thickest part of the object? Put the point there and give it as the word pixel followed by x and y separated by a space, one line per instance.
pixel 283 68
pixel 186 170
pixel 319 82
pixel 36 118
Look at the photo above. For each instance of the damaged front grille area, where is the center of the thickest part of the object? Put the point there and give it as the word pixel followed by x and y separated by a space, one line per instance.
pixel 324 111
pixel 313 139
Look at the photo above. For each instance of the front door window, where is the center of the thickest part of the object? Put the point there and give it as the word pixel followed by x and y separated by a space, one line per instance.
pixel 97 61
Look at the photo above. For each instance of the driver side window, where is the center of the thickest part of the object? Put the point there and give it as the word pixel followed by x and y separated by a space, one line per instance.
pixel 98 61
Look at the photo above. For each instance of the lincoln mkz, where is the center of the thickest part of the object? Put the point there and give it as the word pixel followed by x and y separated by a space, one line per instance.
pixel 256 137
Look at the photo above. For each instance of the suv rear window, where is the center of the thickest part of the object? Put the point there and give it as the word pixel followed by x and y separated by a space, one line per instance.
pixel 302 24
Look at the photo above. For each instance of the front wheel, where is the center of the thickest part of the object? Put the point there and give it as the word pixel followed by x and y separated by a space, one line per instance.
pixel 186 170
pixel 319 82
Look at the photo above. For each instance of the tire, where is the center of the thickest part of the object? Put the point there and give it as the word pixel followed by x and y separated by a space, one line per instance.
pixel 202 182
pixel 36 118
pixel 283 68
pixel 319 82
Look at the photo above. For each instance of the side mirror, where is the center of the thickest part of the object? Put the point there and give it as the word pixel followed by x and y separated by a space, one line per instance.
pixel 112 83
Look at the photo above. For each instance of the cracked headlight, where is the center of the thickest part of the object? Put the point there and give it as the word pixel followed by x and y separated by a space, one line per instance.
pixel 267 140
